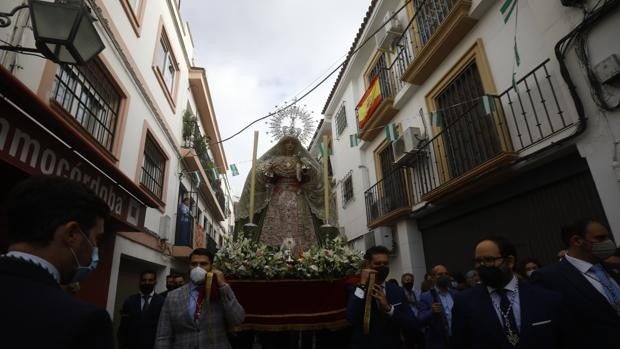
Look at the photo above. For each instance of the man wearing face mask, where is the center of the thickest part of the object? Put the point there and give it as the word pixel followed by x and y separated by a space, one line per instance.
pixel 436 309
pixel 504 312
pixel 140 315
pixel 191 319
pixel 173 281
pixel 590 293
pixel 413 339
pixel 53 224
pixel 389 312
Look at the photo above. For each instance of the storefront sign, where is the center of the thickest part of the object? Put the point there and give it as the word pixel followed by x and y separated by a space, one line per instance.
pixel 27 146
pixel 369 103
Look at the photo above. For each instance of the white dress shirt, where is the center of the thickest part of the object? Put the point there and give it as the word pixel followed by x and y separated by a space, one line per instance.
pixel 149 297
pixel 359 293
pixel 513 296
pixel 584 268
pixel 49 267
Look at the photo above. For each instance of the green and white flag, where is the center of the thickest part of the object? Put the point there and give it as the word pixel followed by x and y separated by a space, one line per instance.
pixel 507 7
pixel 354 140
pixel 234 170
pixel 391 132
pixel 329 149
pixel 436 119
pixel 488 104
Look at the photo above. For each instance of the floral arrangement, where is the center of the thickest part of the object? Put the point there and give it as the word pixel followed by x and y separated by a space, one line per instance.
pixel 244 259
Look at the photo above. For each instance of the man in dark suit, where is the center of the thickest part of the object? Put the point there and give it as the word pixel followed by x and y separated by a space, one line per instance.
pixel 140 315
pixel 389 313
pixel 174 280
pixel 412 339
pixel 53 226
pixel 436 309
pixel 503 312
pixel 591 295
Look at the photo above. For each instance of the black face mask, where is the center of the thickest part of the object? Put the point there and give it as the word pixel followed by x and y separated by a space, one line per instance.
pixel 171 287
pixel 492 276
pixel 408 286
pixel 146 289
pixel 382 274
pixel 443 282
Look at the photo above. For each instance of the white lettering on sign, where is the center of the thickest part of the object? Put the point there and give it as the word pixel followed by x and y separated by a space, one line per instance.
pixel 29 151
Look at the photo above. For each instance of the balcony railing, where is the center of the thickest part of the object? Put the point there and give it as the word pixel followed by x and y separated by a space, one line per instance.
pixel 388 198
pixel 436 27
pixel 492 132
pixel 432 14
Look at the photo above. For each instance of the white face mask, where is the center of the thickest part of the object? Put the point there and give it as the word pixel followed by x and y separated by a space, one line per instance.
pixel 197 275
pixel 529 273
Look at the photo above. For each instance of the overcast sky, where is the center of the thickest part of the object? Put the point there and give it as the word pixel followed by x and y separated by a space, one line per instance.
pixel 261 53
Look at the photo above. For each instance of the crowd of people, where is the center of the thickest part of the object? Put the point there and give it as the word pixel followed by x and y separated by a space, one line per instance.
pixel 502 302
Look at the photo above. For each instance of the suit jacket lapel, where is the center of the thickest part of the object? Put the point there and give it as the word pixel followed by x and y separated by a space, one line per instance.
pixel 491 315
pixel 526 306
pixel 583 285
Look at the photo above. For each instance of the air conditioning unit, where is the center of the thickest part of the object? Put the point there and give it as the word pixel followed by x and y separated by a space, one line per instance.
pixel 383 237
pixel 390 32
pixel 406 146
pixel 164 227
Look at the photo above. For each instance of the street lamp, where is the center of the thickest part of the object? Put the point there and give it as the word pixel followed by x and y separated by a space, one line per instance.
pixel 63 31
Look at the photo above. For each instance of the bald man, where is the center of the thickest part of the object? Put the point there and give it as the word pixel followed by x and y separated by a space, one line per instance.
pixel 503 312
pixel 436 309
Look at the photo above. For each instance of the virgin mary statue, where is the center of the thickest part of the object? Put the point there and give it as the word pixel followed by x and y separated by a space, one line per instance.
pixel 288 196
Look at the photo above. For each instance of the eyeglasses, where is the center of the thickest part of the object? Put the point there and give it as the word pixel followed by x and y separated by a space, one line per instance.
pixel 487 260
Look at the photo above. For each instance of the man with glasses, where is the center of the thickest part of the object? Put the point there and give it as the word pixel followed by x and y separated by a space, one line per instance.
pixel 590 294
pixel 503 312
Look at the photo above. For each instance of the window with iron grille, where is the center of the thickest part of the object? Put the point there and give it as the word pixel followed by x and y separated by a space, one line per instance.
pixel 341 120
pixel 153 168
pixel 347 188
pixel 88 95
pixel 431 14
pixel 471 137
pixel 166 64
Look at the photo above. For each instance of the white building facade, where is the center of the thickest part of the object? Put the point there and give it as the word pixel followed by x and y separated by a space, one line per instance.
pixel 452 148
pixel 132 107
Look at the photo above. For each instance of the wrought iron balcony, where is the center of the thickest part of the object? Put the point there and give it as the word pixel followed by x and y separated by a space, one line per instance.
pixel 437 27
pixel 492 132
pixel 389 198
pixel 376 108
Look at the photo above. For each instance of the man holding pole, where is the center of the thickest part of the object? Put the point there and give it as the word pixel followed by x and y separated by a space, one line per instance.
pixel 197 315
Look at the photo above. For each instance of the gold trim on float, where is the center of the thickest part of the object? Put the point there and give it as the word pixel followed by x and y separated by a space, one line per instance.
pixel 332 326
pixel 297 315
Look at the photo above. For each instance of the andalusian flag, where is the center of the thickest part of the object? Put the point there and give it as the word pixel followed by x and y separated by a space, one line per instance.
pixel 234 170
pixel 507 7
pixel 436 119
pixel 354 140
pixel 329 149
pixel 391 132
pixel 488 104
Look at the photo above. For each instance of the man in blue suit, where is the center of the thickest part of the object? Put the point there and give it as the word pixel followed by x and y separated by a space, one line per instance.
pixel 503 312
pixel 591 295
pixel 436 309
pixel 389 314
